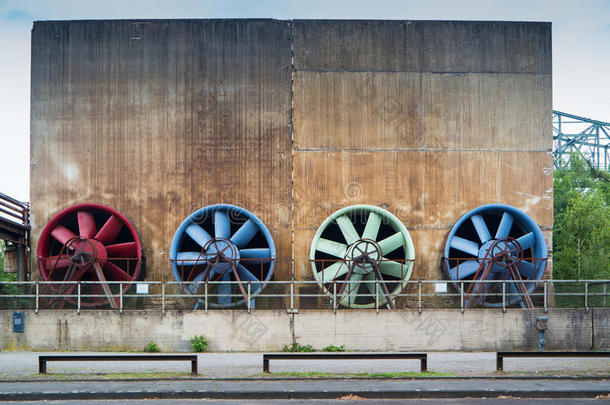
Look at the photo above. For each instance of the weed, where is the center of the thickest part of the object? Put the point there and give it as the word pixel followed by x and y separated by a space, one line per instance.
pixel 295 347
pixel 151 347
pixel 199 343
pixel 333 348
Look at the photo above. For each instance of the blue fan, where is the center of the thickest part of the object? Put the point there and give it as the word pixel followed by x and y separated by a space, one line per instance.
pixel 227 245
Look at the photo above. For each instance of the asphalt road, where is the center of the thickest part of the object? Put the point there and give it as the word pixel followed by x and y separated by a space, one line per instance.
pixel 303 389
pixel 492 401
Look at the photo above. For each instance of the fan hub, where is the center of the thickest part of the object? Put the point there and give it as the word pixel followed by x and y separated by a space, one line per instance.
pixel 84 252
pixel 503 252
pixel 365 254
pixel 221 254
pixel 506 252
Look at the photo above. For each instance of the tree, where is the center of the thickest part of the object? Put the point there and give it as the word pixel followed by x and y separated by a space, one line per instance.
pixel 581 233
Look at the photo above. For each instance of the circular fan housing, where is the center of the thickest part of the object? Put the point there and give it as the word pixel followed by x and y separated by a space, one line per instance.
pixel 496 242
pixel 89 242
pixel 358 248
pixel 223 243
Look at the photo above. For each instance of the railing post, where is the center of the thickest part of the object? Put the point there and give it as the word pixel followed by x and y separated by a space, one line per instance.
pixel 376 295
pixel 605 293
pixel 37 298
pixel 334 296
pixel 503 296
pixel 163 296
pixel 419 296
pixel 462 296
pixel 121 297
pixel 205 296
pixel 249 306
pixel 78 297
pixel 546 299
pixel 587 296
pixel 292 295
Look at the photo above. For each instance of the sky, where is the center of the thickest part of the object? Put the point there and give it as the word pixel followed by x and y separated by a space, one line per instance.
pixel 581 41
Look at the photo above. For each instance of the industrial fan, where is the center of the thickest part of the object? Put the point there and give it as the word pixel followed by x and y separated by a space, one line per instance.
pixel 362 255
pixel 228 246
pixel 93 244
pixel 495 242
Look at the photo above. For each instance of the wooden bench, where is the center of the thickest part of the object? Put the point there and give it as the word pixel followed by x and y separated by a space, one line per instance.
pixel 501 355
pixel 43 360
pixel 423 357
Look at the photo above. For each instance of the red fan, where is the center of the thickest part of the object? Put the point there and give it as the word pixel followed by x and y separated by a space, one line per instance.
pixel 89 242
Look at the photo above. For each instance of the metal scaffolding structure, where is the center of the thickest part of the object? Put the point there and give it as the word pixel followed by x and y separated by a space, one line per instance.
pixel 590 138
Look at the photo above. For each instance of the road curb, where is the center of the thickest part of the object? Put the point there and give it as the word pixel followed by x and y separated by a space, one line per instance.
pixel 254 395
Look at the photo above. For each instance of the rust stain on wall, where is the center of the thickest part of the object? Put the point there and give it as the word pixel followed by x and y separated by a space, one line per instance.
pixel 157 118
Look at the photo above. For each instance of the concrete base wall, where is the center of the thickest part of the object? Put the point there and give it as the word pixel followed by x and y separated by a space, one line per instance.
pixel 433 329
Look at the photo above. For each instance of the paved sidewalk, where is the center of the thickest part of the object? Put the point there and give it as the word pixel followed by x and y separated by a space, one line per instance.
pixel 300 389
pixel 232 365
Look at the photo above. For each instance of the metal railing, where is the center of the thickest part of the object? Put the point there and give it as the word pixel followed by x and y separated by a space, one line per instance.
pixel 292 295
pixel 14 211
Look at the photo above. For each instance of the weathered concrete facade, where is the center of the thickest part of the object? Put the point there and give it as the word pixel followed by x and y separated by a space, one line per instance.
pixel 291 120
pixel 433 329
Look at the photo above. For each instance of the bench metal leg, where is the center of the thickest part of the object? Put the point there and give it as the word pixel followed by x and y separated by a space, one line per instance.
pixel 265 365
pixel 194 368
pixel 424 364
pixel 499 363
pixel 42 366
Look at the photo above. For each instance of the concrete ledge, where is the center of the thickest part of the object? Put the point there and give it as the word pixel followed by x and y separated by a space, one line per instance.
pixel 227 330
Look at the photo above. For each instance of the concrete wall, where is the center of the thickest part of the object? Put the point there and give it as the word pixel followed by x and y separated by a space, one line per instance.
pixel 433 329
pixel 160 118
pixel 291 120
pixel 428 119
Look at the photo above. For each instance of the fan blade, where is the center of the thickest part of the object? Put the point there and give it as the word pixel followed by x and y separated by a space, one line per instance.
pixel 372 226
pixel 464 269
pixel 116 273
pixel 347 229
pixel 501 275
pixel 123 250
pixel 192 288
pixel 222 225
pixel 245 275
pixel 224 291
pixel 527 241
pixel 331 247
pixel 391 243
pixel 505 224
pixel 86 224
pixel 97 290
pixel 197 233
pixel 62 234
pixel 110 230
pixel 57 262
pixel 465 245
pixel 370 284
pixel 481 228
pixel 515 295
pixel 190 258
pixel 395 269
pixel 256 255
pixel 527 270
pixel 244 234
pixel 107 291
pixel 333 271
pixel 351 289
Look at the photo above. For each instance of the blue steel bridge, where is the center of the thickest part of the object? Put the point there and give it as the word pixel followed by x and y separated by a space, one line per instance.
pixel 590 138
